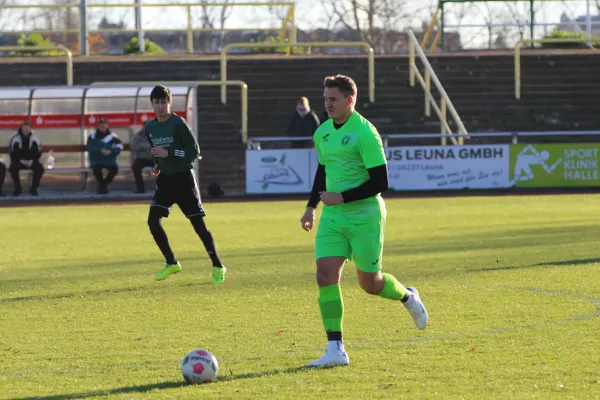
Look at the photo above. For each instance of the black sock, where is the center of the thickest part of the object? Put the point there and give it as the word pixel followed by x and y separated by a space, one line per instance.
pixel 160 237
pixel 334 336
pixel 405 298
pixel 207 240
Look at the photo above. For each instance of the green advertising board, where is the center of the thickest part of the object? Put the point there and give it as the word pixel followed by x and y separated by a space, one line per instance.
pixel 554 165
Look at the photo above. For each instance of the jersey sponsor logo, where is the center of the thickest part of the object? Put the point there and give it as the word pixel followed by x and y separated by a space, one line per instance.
pixel 162 141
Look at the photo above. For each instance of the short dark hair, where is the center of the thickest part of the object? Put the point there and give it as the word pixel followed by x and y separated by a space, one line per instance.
pixel 344 83
pixel 26 123
pixel 160 92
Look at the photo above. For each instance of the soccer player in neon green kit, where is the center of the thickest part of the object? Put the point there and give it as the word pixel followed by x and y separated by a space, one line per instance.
pixel 352 173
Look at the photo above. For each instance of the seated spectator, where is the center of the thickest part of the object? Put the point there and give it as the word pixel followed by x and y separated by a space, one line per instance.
pixel 103 147
pixel 25 151
pixel 140 147
pixel 2 176
pixel 304 123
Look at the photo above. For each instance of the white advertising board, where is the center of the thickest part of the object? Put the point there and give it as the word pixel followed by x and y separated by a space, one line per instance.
pixel 448 167
pixel 409 168
pixel 278 171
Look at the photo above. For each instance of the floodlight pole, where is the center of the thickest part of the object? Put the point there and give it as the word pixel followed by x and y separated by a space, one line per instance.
pixel 531 21
pixel 138 22
pixel 588 23
pixel 443 38
pixel 83 35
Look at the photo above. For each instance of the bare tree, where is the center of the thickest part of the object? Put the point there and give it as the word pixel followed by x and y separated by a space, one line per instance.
pixel 368 20
pixel 213 17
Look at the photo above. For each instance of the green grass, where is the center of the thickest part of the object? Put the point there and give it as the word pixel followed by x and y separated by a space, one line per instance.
pixel 512 285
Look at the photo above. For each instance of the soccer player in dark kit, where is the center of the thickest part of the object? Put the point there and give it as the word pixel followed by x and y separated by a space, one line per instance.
pixel 175 151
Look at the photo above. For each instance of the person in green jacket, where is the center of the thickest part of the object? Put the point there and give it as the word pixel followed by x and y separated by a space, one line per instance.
pixel 103 147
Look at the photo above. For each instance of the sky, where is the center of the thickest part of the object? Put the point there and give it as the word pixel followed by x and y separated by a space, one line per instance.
pixel 311 14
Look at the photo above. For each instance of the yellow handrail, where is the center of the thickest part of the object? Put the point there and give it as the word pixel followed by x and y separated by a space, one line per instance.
pixel 224 84
pixel 518 55
pixel 67 53
pixel 367 46
pixel 430 75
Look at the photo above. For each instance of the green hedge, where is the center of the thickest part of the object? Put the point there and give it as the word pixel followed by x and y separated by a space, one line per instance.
pixel 36 40
pixel 562 34
pixel 274 50
pixel 133 46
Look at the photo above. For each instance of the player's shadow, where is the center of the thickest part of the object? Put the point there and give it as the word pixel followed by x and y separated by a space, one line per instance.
pixel 164 385
pixel 569 262
pixel 98 393
pixel 92 293
pixel 583 261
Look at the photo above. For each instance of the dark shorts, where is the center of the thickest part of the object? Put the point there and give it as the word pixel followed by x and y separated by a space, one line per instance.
pixel 181 189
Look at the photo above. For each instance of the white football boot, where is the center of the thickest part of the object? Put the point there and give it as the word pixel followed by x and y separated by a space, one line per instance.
pixel 415 307
pixel 334 355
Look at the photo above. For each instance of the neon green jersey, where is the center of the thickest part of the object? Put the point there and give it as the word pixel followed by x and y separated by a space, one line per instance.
pixel 347 153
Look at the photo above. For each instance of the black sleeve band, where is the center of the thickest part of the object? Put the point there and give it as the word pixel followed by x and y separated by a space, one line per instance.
pixel 318 186
pixel 377 183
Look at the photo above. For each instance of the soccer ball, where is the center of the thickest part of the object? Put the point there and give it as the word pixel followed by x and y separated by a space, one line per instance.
pixel 199 366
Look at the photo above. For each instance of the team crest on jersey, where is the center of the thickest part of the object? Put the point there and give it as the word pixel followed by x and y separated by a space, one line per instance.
pixel 345 139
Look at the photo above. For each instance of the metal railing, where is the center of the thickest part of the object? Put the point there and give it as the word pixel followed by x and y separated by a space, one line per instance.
pixel 243 87
pixel 433 24
pixel 446 104
pixel 66 52
pixel 366 46
pixel 532 41
pixel 254 143
pixel 290 20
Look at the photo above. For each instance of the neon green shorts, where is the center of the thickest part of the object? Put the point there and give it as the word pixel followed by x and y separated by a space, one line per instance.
pixel 361 242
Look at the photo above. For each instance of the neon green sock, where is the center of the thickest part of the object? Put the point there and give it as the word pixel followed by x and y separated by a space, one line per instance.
pixel 332 307
pixel 392 289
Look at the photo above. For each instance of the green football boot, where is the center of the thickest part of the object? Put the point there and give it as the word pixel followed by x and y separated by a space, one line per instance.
pixel 218 275
pixel 167 270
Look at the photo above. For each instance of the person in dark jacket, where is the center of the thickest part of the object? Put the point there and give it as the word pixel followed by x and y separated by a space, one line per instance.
pixel 2 176
pixel 140 147
pixel 103 147
pixel 304 123
pixel 25 151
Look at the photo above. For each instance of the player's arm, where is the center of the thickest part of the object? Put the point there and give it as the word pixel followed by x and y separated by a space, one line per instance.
pixel 370 148
pixel 318 186
pixel 93 146
pixel 14 150
pixel 190 149
pixel 117 146
pixel 377 183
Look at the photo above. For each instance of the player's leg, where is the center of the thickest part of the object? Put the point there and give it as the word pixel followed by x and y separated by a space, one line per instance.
pixel 38 171
pixel 332 251
pixel 159 209
pixel 137 168
pixel 98 174
pixel 2 177
pixel 190 203
pixel 113 170
pixel 367 248
pixel 14 169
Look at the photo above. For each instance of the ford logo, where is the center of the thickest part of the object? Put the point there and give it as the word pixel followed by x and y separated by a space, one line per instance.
pixel 269 159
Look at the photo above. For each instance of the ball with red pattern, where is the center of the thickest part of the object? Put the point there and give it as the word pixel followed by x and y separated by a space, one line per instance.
pixel 199 366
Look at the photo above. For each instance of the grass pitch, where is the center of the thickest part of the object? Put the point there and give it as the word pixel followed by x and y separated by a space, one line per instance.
pixel 512 286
